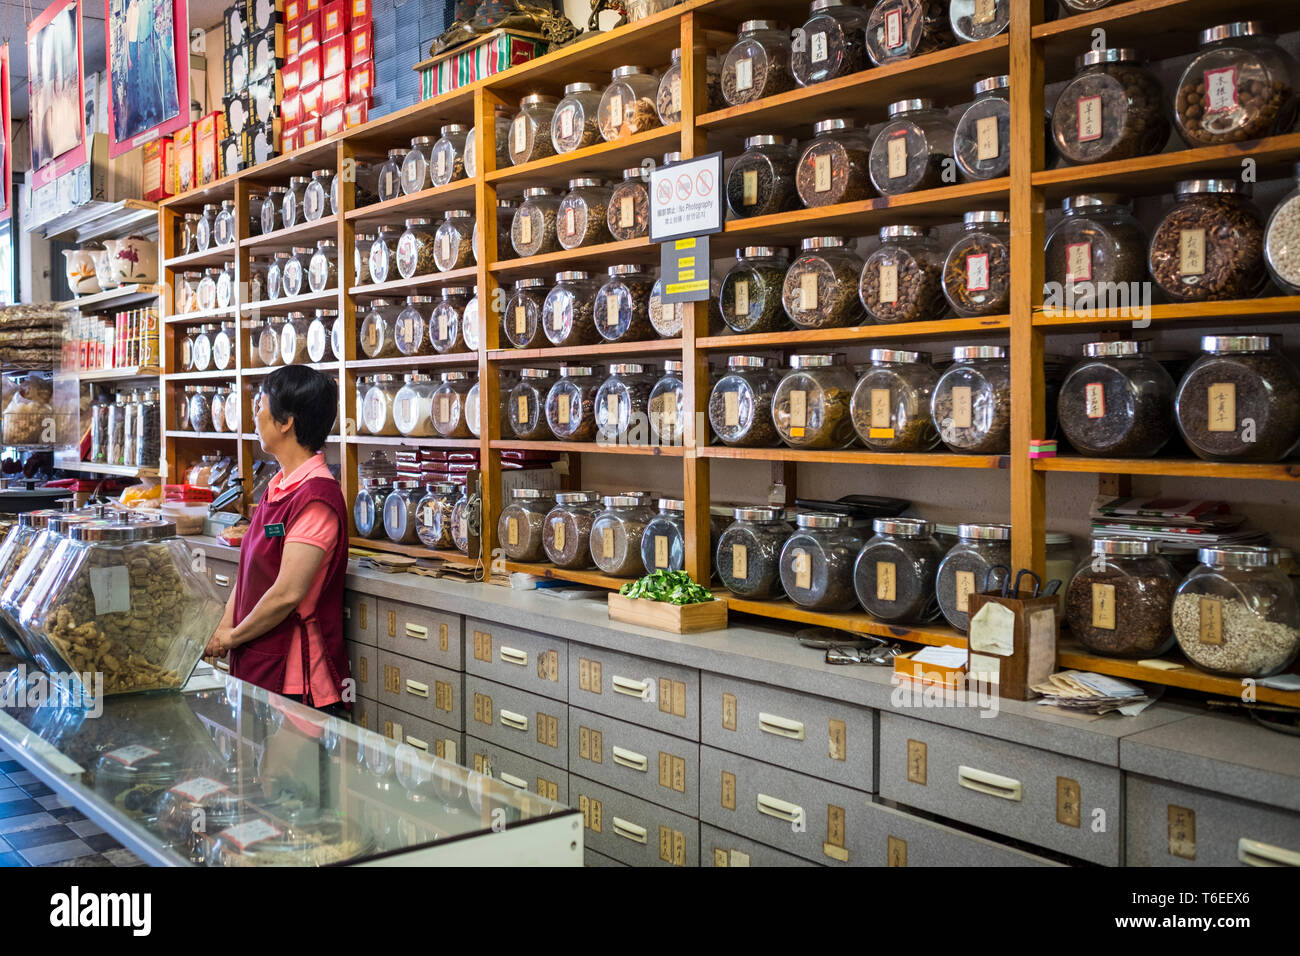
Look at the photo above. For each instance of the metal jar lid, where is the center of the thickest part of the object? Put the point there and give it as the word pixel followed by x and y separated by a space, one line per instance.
pixel 107 532
pixel 323 245
pixel 538 99
pixel 817 520
pixel 442 487
pixel 1226 31
pixel 821 242
pixel 633 172
pixel 1113 55
pixel 577 497
pixel 577 371
pixel 621 71
pixel 382 378
pixel 628 368
pixel 985 532
pixel 584 181
pixel 671 504
pixel 292 316
pixel 830 125
pixel 532 494
pixel 672 365
pixel 1086 200
pixel 905 232
pixel 419 141
pixel 418 221
pixel 536 192
pixel 963 353
pixel 765 139
pixel 397 155
pixel 1115 349
pixel 374 484
pixel 419 299
pixel 384 303
pixel 210 208
pixel 758 513
pixel 624 501
pixel 1243 556
pixel 626 269
pixel 410 377
pixel 405 484
pixel 507 203
pixel 816 361
pixel 455 376
pixel 749 361
pixel 295 181
pixel 459 214
pixel 1236 343
pixel 327 313
pixel 1191 187
pixel 903 527
pixel 754 26
pixel 533 282
pixel 61 524
pixel 573 275
pixel 820 5
pixel 314 174
pixel 995 216
pixel 303 250
pixel 993 83
pixel 451 290
pixel 579 88
pixel 1123 546
pixel 535 373
pixel 752 252
pixel 670 158
pixel 275 191
pixel 455 128
pixel 907 106
pixel 900 355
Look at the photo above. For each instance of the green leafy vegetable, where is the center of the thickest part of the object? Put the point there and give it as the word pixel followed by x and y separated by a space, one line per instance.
pixel 673 587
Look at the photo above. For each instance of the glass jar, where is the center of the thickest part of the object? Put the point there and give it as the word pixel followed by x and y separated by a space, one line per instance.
pixel 291 207
pixel 218 418
pixel 226 286
pixel 820 287
pixel 527 404
pixel 913 149
pixel 232 414
pixel 532 230
pixel 365 182
pixel 567 312
pixel 971 404
pixel 296 272
pixel 902 281
pixel 895 571
pixel 390 175
pixel 469 324
pixel 203 348
pixel 271 213
pixel 901 29
pixel 667 318
pixel 1210 245
pixel 379 330
pixel 817 562
pixel 831 43
pixel 450 405
pixel 663 543
pixel 574 124
pixel 1240 400
pixel 200 420
pixel 758 64
pixel 1282 241
pixel 1097 240
pixel 323 269
pixel 582 213
pixel 622 403
pixel 413 411
pixel 189 242
pixel 1113 109
pixel 320 333
pixel 975 20
pixel 293 339
pixel 628 209
pixel 502 130
pixel 740 404
pixel 383 254
pixel 400 514
pixel 1236 613
pixel 811 406
pixel 453 244
pixel 571 404
pixel 962 572
pixel 1239 86
pixel 131 411
pixel 415 165
pixel 748 554
pixel 667 408
pixel 668 98
pixel 891 402
pixel 982 138
pixel 268 342
pixel 377 413
pixel 622 305
pixel 1119 600
pixel 361 258
pixel 616 534
pixel 434 515
pixel 368 507
pixel 628 104
pixel 522 322
pixel 530 129
pixel 835 165
pixel 445 320
pixel 977 270
pixel 448 160
pixel 223 226
pixel 762 179
pixel 187 295
pixel 462 511
pixel 519 528
pixel 751 297
pixel 258 286
pixel 415 249
pixel 205 293
pixel 315 198
pixel 1118 402
pixel 410 326
pixel 378 465
pixel 506 209
pixel 182 414
pixel 275 275
pixel 99 430
pixel 203 229
pixel 566 534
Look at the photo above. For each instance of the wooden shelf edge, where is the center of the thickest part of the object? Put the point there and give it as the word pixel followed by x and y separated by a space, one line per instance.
pixel 1171 468
pixel 433 194
pixel 413 550
pixel 858 457
pixel 577 157
pixel 936 328
pixel 586 448
pixel 514 356
pixel 1276 306
pixel 323 224
pixel 857 622
pixel 414 282
pixel 594 578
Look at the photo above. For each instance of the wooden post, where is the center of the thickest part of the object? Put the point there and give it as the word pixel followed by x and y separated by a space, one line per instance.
pixel 348 410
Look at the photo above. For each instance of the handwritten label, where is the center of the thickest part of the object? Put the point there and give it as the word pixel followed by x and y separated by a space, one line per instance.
pixel 444 411
pixel 557 532
pixel 916 762
pixel 199 788
pixel 131 754
pixel 965 588
pixel 1221 89
pixel 1191 252
pixel 1222 406
pixel 822 173
pixel 607 542
pixel 731 409
pixel 802 563
pixel 888 282
pixel 728 711
pixel 881 409
pixel 1182 831
pixel 742 297
pixel 611 410
pixel 566 122
pixel 1103 606
pixel 1068 810
pixel 661 551
pixel 570 221
pixel 611 310
pixel 245 835
pixel 897 152
pixel 1078 262
pixel 987 146
pixel 728 790
pixel 523 409
pixel 521 134
pixel 111 588
pixel 894 29
pixel 749 187
pixel 557 314
pixel 896 852
pixel 526 229
pixel 961 406
pixel 521 318
pixel 1211 620
pixel 562 408
pixel 1094 400
pixel 977 272
pixel 798 412
pixel 836 825
pixel 985 10
pixel 625 212
pixel 1089 119
pixel 744 74
pixel 672 846
pixel 739 561
pixel 512 531
pixel 886 581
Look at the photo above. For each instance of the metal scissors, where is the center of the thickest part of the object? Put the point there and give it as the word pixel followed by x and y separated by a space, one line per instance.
pixel 999 576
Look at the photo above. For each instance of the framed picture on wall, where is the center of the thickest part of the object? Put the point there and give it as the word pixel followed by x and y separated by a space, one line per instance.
pixel 148 70
pixel 56 90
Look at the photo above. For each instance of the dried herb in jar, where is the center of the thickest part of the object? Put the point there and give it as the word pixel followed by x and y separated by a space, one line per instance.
pixel 1210 245
pixel 902 281
pixel 628 214
pixel 751 294
pixel 820 288
pixel 834 167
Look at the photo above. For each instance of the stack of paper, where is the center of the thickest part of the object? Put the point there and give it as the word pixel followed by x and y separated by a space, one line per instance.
pixel 1093 694
pixel 1182 523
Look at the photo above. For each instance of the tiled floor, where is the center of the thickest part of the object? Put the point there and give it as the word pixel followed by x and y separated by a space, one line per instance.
pixel 38 829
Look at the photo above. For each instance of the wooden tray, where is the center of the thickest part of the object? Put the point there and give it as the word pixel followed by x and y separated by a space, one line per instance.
pixel 662 616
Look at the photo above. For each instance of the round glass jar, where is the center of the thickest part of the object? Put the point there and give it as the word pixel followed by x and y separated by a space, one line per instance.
pixel 522 322
pixel 574 124
pixel 226 286
pixel 758 64
pixel 971 404
pixel 628 104
pixel 379 329
pixel 390 175
pixel 835 165
pixel 901 29
pixel 571 404
pixel 527 404
pixel 445 320
pixel 377 411
pixel 295 273
pixel 453 244
pixel 187 296
pixel 817 562
pixel 913 149
pixel 319 334
pixel 751 294
pixel 223 226
pixel 433 515
pixel 1113 109
pixel 895 571
pixel 448 162
pixel 1210 245
pixel 902 281
pixel 667 318
pixel 622 403
pixel 1119 600
pixel 203 228
pixel 621 306
pixel 323 270
pixel 740 404
pixel 981 141
pixel 975 20
pixel 293 339
pixel 415 249
pixel 291 208
pixel 188 242
pixel 821 285
pixel 275 276
pixel 748 555
pixel 627 215
pixel 616 533
pixel 205 293
pixel 365 182
pixel 202 348
pixel 532 230
pixel 567 317
pixel 1117 402
pixel 271 213
pixel 977 270
pixel 663 544
pixel 831 43
pixel 519 529
pixel 400 514
pixel 315 198
pixel 460 519
pixel 267 342
pixel 667 408
pixel 383 254
pixel 762 179
pixel 1097 240
pixel 1236 613
pixel 891 402
pixel 232 417
pixel 1239 86
pixel 1240 400
pixel 505 218
pixel 469 324
pixel 450 405
pixel 566 535
pixel 258 285
pixel 583 212
pixel 413 406
pixel 415 165
pixel 811 405
pixel 530 129
pixel 200 420
pixel 668 98
pixel 965 566
pixel 1282 241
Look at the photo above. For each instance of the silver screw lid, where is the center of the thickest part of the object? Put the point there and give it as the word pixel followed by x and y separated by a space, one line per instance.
pixel 1115 349
pixel 579 88
pixel 985 532
pixel 993 83
pixel 904 356
pixel 671 504
pixel 120 533
pixel 1238 343
pixel 626 269
pixel 624 501
pixel 577 371
pixel 619 72
pixel 905 232
pixel 535 373
pixel 577 497
pixel 538 99
pixel 907 106
pixel 455 128
pixel 964 353
pixel 903 527
pixel 995 216
pixel 1113 55
pixel 1123 546
pixel 535 192
pixel 816 361
pixel 1243 556
pixel 830 125
pixel 1190 187
pixel 573 275
pixel 821 242
pixel 758 513
pixel 755 26
pixel 455 376
pixel 533 282
pixel 418 221
pixel 532 494
pixel 583 181
pixel 818 520
pixel 765 139
pixel 750 252
pixel 672 365
pixel 1225 31
pixel 749 361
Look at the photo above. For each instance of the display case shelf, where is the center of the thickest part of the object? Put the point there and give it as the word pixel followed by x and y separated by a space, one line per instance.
pixel 591 578
pixel 857 334
pixel 933 459
pixel 203 315
pixel 299 234
pixel 293 303
pixel 1274 307
pixel 114 374
pixel 134 293
pixel 201 376
pixel 426 202
pixel 399 441
pixel 98 220
pixel 1172 467
pixel 469 274
pixel 852 621
pixel 101 468
pixel 604 351
pixel 410 550
pixel 604 158
pixel 588 448
pixel 408 362
pixel 218 256
pixel 205 436
pixel 593 259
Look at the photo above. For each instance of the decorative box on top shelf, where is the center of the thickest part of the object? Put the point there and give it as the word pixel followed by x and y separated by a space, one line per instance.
pixel 489 54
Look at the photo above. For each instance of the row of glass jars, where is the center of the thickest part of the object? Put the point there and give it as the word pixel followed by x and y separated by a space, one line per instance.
pixel 420 325
pixel 418 248
pixel 435 515
pixel 294 339
pixel 213 288
pixel 209 408
pixel 582 309
pixel 208 347
pixel 297 272
pixel 126 429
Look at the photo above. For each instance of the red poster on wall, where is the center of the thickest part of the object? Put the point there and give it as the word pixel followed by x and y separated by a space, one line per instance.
pixel 148 71
pixel 6 132
pixel 56 91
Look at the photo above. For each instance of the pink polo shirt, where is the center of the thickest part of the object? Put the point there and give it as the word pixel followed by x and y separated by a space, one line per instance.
pixel 317 526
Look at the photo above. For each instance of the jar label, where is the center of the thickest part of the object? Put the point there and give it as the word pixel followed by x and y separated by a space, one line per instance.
pixel 566 122
pixel 1078 262
pixel 739 561
pixel 1094 400
pixel 802 570
pixel 668 418
pixel 965 584
pixel 442 163
pixel 822 173
pixel 1103 606
pixel 1222 406
pixel 199 788
pixel 742 294
pixel 986 139
pixel 315 342
pixel 894 29
pixel 526 229
pixel 611 309
pixel 442 328
pixel 570 222
pixel 221 352
pixel 1220 89
pixel 563 412
pixel 375 409
pixel 131 754
pixel 202 354
pixel 288 344
pixel 557 313
pixel 1089 119
pixel 625 211
pixel 444 408
pixel 1191 252
pixel 412 173
pixel 661 551
pixel 521 134
pixel 446 247
pixel 881 407
pixel 557 526
pixel 372 333
pixel 744 74
pixel 616 110
pixel 749 187
pixel 463 527
pixel 818 47
pixel 521 317
pixel 977 272
pixel 607 542
pixel 808 291
pixel 611 410
pixel 984 11
pixel 886 581
pixel 428 516
pixel 961 410
pixel 523 410
pixel 404 411
pixel 798 413
pixel 897 147
pixel 378 262
pixel 406 255
pixel 111 588
pixel 888 282
pixel 675 94
pixel 1211 620
pixel 512 531
pixel 245 835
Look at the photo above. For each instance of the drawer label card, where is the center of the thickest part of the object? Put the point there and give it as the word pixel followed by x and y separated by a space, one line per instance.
pixel 836 823
pixel 442 637
pixel 1068 795
pixel 1211 620
pixel 1182 832
pixel 392 623
pixel 483 646
pixel 672 697
pixel 738 858
pixel 483 711
pixel 548 789
pixel 916 762
pixel 363 615
pixel 719 856
pixel 591 745
pixel 589 676
pixel 728 790
pixel 838 735
pixel 672 846
pixel 548 730
pixel 363 669
pixel 728 711
pixel 672 772
pixel 591 813
pixel 482 764
pixel 896 853
pixel 443 697
pixel 392 679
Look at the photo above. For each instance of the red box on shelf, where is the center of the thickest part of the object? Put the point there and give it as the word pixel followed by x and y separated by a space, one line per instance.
pixel 334 93
pixel 293 11
pixel 334 57
pixel 291 76
pixel 361 44
pixel 362 13
pixel 334 20
pixel 332 122
pixel 290 43
pixel 309 67
pixel 205 148
pixel 289 139
pixel 159 169
pixel 308 32
pixel 309 98
pixel 196 493
pixel 361 82
pixel 313 6
pixel 291 109
pixel 356 114
pixel 309 132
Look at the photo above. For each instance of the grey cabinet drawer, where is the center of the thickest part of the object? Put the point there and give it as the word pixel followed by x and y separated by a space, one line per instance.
pixel 528 724
pixel 823 738
pixel 720 848
pixel 365 713
pixel 516 770
pixel 425 735
pixel 223 575
pixel 525 659
pixel 360 612
pixel 641 691
pixel 421 633
pixel 633 831
pixel 819 821
pixel 365 669
pixel 1047 799
pixel 1172 825
pixel 904 839
pixel 642 762
pixel 592 858
pixel 425 690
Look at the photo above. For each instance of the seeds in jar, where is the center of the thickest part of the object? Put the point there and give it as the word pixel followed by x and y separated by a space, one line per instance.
pixel 895 571
pixel 1113 109
pixel 566 536
pixel 571 405
pixel 748 554
pixel 532 231
pixel 1247 642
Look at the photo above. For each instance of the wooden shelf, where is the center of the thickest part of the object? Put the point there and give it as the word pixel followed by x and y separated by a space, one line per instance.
pixel 469 275
pixel 466 444
pixel 934 459
pixel 434 200
pixel 593 259
pixel 97 468
pixel 854 621
pixel 1172 468
pixel 302 233
pixel 938 328
pixel 1278 307
pixel 114 374
pixel 201 376
pixel 206 436
pixel 413 550
pixel 329 299
pixel 268 369
pixel 218 256
pixel 588 447
pixel 596 579
pixel 200 196
pixel 204 315
pixel 600 158
pixel 605 351
pixel 404 363
pixel 277 171
pixel 124 295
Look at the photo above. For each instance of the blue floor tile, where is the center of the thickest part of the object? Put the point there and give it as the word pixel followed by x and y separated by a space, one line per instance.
pixel 12 859
pixel 99 842
pixel 26 839
pixel 18 808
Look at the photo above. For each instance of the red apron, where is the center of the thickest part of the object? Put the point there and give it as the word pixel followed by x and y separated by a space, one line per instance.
pixel 263 660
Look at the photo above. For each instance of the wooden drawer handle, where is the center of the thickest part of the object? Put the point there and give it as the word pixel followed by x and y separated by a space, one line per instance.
pixel 1254 853
pixel 512 655
pixel 417 630
pixel 772 807
pixel 417 688
pixel 629 831
pixel 222 580
pixel 631 759
pixel 630 687
pixel 995 785
pixel 513 781
pixel 511 719
pixel 417 743
pixel 781 726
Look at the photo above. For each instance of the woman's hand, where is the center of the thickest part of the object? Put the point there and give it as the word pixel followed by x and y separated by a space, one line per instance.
pixel 219 643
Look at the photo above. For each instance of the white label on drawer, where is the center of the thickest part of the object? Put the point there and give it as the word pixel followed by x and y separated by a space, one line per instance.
pixel 557 528
pixel 888 282
pixel 802 569
pixel 739 561
pixel 749 187
pixel 744 74
pixel 246 834
pixel 130 755
pixel 737 858
pixel 818 47
pixel 1191 252
pixel 822 173
pixel 986 139
pixel 965 585
pixel 961 410
pixel 894 29
pixel 992 630
pixel 742 297
pixel 111 588
pixel 199 788
pixel 897 148
pixel 1089 120
pixel 977 272
pixel 625 212
pixel 1220 89
pixel 1222 403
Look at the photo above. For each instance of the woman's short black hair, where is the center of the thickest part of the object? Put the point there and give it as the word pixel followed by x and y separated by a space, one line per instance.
pixel 309 396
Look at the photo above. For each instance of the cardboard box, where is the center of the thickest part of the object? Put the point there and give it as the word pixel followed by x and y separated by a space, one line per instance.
pixel 291 109
pixel 334 57
pixel 334 93
pixel 289 139
pixel 361 82
pixel 205 148
pixel 361 12
pixel 266 54
pixel 334 19
pixel 293 11
pixel 234 26
pixel 158 178
pixel 234 153
pixel 309 132
pixel 238 113
pixel 236 67
pixel 309 64
pixel 262 101
pixel 361 45
pixel 313 6
pixel 938 675
pixel 290 43
pixel 291 76
pixel 332 122
pixel 310 100
pixel 493 53
pixel 183 144
pixel 309 34
pixel 263 14
pixel 262 142
pixel 356 114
